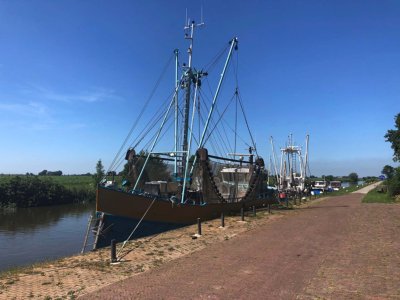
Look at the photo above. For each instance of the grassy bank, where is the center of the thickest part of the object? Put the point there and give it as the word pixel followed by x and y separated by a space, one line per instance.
pixel 342 191
pixel 350 189
pixel 378 196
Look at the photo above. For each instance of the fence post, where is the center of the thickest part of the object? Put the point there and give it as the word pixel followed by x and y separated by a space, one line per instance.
pixel 113 250
pixel 199 226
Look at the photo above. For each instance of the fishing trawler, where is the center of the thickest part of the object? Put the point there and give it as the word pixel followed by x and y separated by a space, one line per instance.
pixel 200 173
pixel 293 170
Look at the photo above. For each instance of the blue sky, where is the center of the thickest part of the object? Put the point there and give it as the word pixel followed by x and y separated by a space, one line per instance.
pixel 73 76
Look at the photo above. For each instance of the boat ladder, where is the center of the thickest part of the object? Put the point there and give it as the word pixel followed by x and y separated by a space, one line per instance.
pixel 96 228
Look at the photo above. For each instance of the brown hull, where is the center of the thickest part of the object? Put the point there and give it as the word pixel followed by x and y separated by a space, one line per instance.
pixel 124 204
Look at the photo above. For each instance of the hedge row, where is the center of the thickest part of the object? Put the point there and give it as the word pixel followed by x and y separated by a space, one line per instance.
pixel 30 191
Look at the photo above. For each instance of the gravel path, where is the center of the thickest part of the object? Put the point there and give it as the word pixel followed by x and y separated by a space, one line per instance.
pixel 366 189
pixel 335 249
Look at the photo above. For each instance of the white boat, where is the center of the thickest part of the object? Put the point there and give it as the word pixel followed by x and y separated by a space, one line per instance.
pixel 320 185
pixel 335 185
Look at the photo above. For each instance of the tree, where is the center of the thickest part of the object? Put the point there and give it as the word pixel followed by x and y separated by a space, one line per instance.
pixel 156 169
pixel 393 136
pixel 353 177
pixel 393 183
pixel 329 177
pixel 388 171
pixel 98 176
pixel 54 173
pixel 43 173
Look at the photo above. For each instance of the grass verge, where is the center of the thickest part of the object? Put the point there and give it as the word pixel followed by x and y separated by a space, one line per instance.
pixel 376 196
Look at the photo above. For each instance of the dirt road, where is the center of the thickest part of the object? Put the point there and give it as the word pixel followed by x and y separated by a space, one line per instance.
pixel 335 249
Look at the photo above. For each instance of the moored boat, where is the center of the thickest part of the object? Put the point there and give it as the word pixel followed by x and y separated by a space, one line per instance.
pixel 335 185
pixel 168 189
pixel 319 186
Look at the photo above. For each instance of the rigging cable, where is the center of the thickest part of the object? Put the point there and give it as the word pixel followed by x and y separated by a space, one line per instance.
pixel 228 147
pixel 247 123
pixel 220 138
pixel 211 65
pixel 137 225
pixel 141 112
pixel 220 118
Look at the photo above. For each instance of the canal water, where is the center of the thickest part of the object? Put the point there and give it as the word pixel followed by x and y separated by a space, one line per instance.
pixel 346 184
pixel 29 235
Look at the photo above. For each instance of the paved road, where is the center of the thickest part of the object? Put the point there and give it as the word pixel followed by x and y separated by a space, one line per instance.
pixel 335 249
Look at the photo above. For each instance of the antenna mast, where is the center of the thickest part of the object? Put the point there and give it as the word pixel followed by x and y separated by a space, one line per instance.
pixel 190 76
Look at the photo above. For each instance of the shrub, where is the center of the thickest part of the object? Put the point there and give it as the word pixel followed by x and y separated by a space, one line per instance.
pixel 32 191
pixel 394 183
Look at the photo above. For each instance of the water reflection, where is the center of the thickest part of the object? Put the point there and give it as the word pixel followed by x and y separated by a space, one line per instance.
pixel 347 184
pixel 28 235
pixel 13 221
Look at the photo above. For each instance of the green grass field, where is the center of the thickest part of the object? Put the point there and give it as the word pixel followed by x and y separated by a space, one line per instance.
pixel 83 182
pixel 73 181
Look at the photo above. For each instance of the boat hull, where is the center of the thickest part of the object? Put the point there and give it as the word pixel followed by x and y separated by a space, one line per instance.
pixel 124 204
pixel 122 212
pixel 119 228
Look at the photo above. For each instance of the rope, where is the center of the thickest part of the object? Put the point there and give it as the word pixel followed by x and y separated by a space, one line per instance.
pixel 136 227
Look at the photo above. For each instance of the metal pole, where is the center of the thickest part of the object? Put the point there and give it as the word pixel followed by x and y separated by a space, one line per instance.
pixel 222 219
pixel 242 213
pixel 254 211
pixel 234 42
pixel 176 51
pixel 155 140
pixel 280 186
pixel 275 163
pixel 233 45
pixel 306 157
pixel 113 250
pixel 188 83
pixel 269 208
pixel 199 226
pixel 189 144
